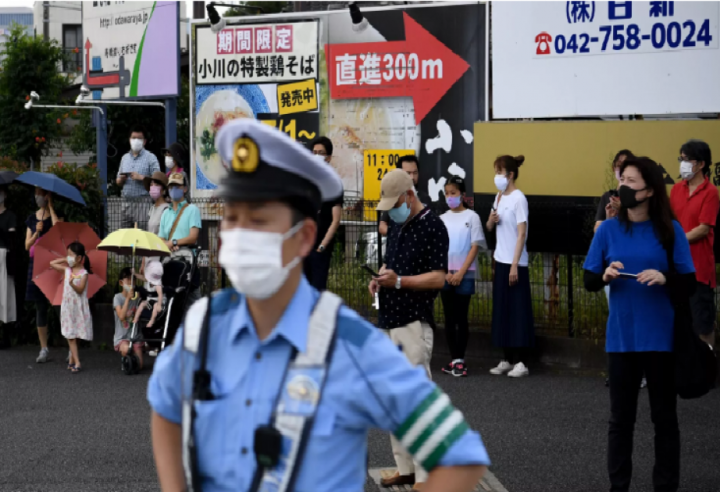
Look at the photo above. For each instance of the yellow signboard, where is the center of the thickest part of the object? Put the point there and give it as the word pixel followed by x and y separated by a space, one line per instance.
pixel 376 164
pixel 297 97
pixel 573 158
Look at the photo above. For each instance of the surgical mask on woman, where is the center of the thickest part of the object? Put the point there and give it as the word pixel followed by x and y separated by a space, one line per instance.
pixel 40 200
pixel 453 201
pixel 501 182
pixel 627 197
pixel 253 260
pixel 155 191
pixel 169 162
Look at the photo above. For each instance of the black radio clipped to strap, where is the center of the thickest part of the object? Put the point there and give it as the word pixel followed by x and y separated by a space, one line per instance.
pixel 267 446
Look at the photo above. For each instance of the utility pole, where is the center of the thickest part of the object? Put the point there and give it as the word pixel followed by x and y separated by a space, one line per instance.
pixel 46 21
pixel 198 10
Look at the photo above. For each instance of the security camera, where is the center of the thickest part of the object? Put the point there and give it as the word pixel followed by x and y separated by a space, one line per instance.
pixel 34 95
pixel 84 91
pixel 217 23
pixel 360 23
pixel 28 104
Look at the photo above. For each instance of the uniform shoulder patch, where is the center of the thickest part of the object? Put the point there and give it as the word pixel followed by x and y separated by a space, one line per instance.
pixel 352 328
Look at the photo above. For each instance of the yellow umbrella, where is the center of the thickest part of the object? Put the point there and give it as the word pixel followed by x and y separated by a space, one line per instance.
pixel 134 242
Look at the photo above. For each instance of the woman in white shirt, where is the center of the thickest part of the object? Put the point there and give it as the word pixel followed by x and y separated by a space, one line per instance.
pixel 512 318
pixel 466 239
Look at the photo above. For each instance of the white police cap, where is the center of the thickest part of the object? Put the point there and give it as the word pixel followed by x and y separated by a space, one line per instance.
pixel 264 163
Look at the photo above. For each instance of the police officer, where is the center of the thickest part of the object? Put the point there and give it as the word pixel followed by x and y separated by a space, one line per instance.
pixel 271 385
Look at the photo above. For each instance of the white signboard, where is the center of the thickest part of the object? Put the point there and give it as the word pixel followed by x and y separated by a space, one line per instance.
pixel 585 58
pixel 131 49
pixel 257 53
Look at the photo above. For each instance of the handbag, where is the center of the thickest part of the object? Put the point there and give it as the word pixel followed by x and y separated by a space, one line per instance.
pixel 695 360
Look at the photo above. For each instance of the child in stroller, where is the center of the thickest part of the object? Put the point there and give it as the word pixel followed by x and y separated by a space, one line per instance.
pixel 154 294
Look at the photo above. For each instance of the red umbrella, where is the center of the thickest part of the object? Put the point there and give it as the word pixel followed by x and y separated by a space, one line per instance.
pixel 53 245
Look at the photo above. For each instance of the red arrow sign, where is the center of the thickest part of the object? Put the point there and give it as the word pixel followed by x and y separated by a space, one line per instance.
pixel 98 80
pixel 420 67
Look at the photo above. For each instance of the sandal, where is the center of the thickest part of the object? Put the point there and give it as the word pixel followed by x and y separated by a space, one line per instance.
pixel 70 367
pixel 75 369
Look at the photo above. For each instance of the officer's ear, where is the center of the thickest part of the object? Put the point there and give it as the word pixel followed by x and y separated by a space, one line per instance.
pixel 309 234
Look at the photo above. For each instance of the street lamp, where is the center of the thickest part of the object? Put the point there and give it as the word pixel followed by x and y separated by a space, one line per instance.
pixel 34 96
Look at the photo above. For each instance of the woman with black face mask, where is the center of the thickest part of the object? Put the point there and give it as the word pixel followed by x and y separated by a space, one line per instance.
pixel 628 252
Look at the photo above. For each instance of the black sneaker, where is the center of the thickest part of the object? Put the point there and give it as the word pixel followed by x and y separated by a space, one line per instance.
pixel 460 370
pixel 448 369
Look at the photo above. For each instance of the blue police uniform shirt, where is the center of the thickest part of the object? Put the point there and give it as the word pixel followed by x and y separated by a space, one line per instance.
pixel 370 384
pixel 641 316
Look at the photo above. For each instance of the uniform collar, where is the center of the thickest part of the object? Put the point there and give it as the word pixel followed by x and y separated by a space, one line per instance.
pixel 290 326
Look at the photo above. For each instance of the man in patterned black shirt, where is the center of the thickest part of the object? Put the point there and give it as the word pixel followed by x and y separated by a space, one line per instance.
pixel 414 272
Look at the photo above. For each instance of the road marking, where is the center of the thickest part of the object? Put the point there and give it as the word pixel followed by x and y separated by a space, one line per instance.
pixel 489 483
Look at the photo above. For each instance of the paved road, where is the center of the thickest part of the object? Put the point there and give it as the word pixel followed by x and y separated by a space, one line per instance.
pixel 88 432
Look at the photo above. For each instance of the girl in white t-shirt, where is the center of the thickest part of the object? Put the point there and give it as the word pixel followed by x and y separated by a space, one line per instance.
pixel 466 239
pixel 512 318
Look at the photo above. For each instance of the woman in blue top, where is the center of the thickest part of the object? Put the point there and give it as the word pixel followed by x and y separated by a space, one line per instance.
pixel 628 252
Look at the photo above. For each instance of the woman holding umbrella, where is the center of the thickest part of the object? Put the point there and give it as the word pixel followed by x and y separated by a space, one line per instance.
pixel 38 224
pixel 46 187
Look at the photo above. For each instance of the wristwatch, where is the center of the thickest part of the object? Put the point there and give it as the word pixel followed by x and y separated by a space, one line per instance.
pixel 398 283
pixel 321 248
pixel 174 242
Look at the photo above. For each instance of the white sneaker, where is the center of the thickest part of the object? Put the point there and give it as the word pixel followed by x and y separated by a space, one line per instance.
pixel 519 371
pixel 43 357
pixel 501 368
pixel 153 353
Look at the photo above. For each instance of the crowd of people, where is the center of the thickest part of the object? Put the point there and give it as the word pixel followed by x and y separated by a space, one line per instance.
pixel 647 247
pixel 153 198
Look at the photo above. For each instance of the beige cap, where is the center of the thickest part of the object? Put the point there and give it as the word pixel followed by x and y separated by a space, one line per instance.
pixel 393 185
pixel 176 178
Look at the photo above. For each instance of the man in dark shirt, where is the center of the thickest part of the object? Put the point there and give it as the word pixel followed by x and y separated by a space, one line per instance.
pixel 317 264
pixel 409 164
pixel 413 274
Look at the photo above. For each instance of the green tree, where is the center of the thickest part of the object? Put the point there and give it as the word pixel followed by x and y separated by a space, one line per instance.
pixel 29 63
pixel 268 7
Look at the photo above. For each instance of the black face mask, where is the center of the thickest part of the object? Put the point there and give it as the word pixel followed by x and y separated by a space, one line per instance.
pixel 627 197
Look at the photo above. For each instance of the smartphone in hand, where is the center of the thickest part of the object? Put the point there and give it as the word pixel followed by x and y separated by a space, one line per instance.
pixel 370 271
pixel 627 275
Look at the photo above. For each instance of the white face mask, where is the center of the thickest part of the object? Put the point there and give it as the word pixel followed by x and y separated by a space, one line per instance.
pixel 686 171
pixel 136 144
pixel 253 260
pixel 71 261
pixel 169 163
pixel 501 182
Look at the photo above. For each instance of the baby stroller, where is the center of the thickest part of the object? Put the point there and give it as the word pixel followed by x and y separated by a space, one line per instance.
pixel 179 277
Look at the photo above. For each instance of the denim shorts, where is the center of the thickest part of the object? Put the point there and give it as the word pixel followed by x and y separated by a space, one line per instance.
pixel 466 287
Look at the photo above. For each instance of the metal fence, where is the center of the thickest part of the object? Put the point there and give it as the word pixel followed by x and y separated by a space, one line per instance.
pixel 561 305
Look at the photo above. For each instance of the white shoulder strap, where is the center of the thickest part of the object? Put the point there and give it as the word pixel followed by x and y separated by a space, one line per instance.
pixel 320 330
pixel 193 325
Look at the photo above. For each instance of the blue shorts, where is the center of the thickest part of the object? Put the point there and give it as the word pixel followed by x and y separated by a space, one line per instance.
pixel 466 287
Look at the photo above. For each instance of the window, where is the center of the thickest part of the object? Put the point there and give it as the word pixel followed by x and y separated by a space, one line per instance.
pixel 72 44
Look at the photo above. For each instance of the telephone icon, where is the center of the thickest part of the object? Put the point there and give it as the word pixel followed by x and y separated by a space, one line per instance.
pixel 543 40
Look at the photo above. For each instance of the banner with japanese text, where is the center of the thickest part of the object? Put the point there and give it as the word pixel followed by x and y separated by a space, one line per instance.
pixel 131 49
pixel 257 53
pixel 587 58
pixel 412 80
